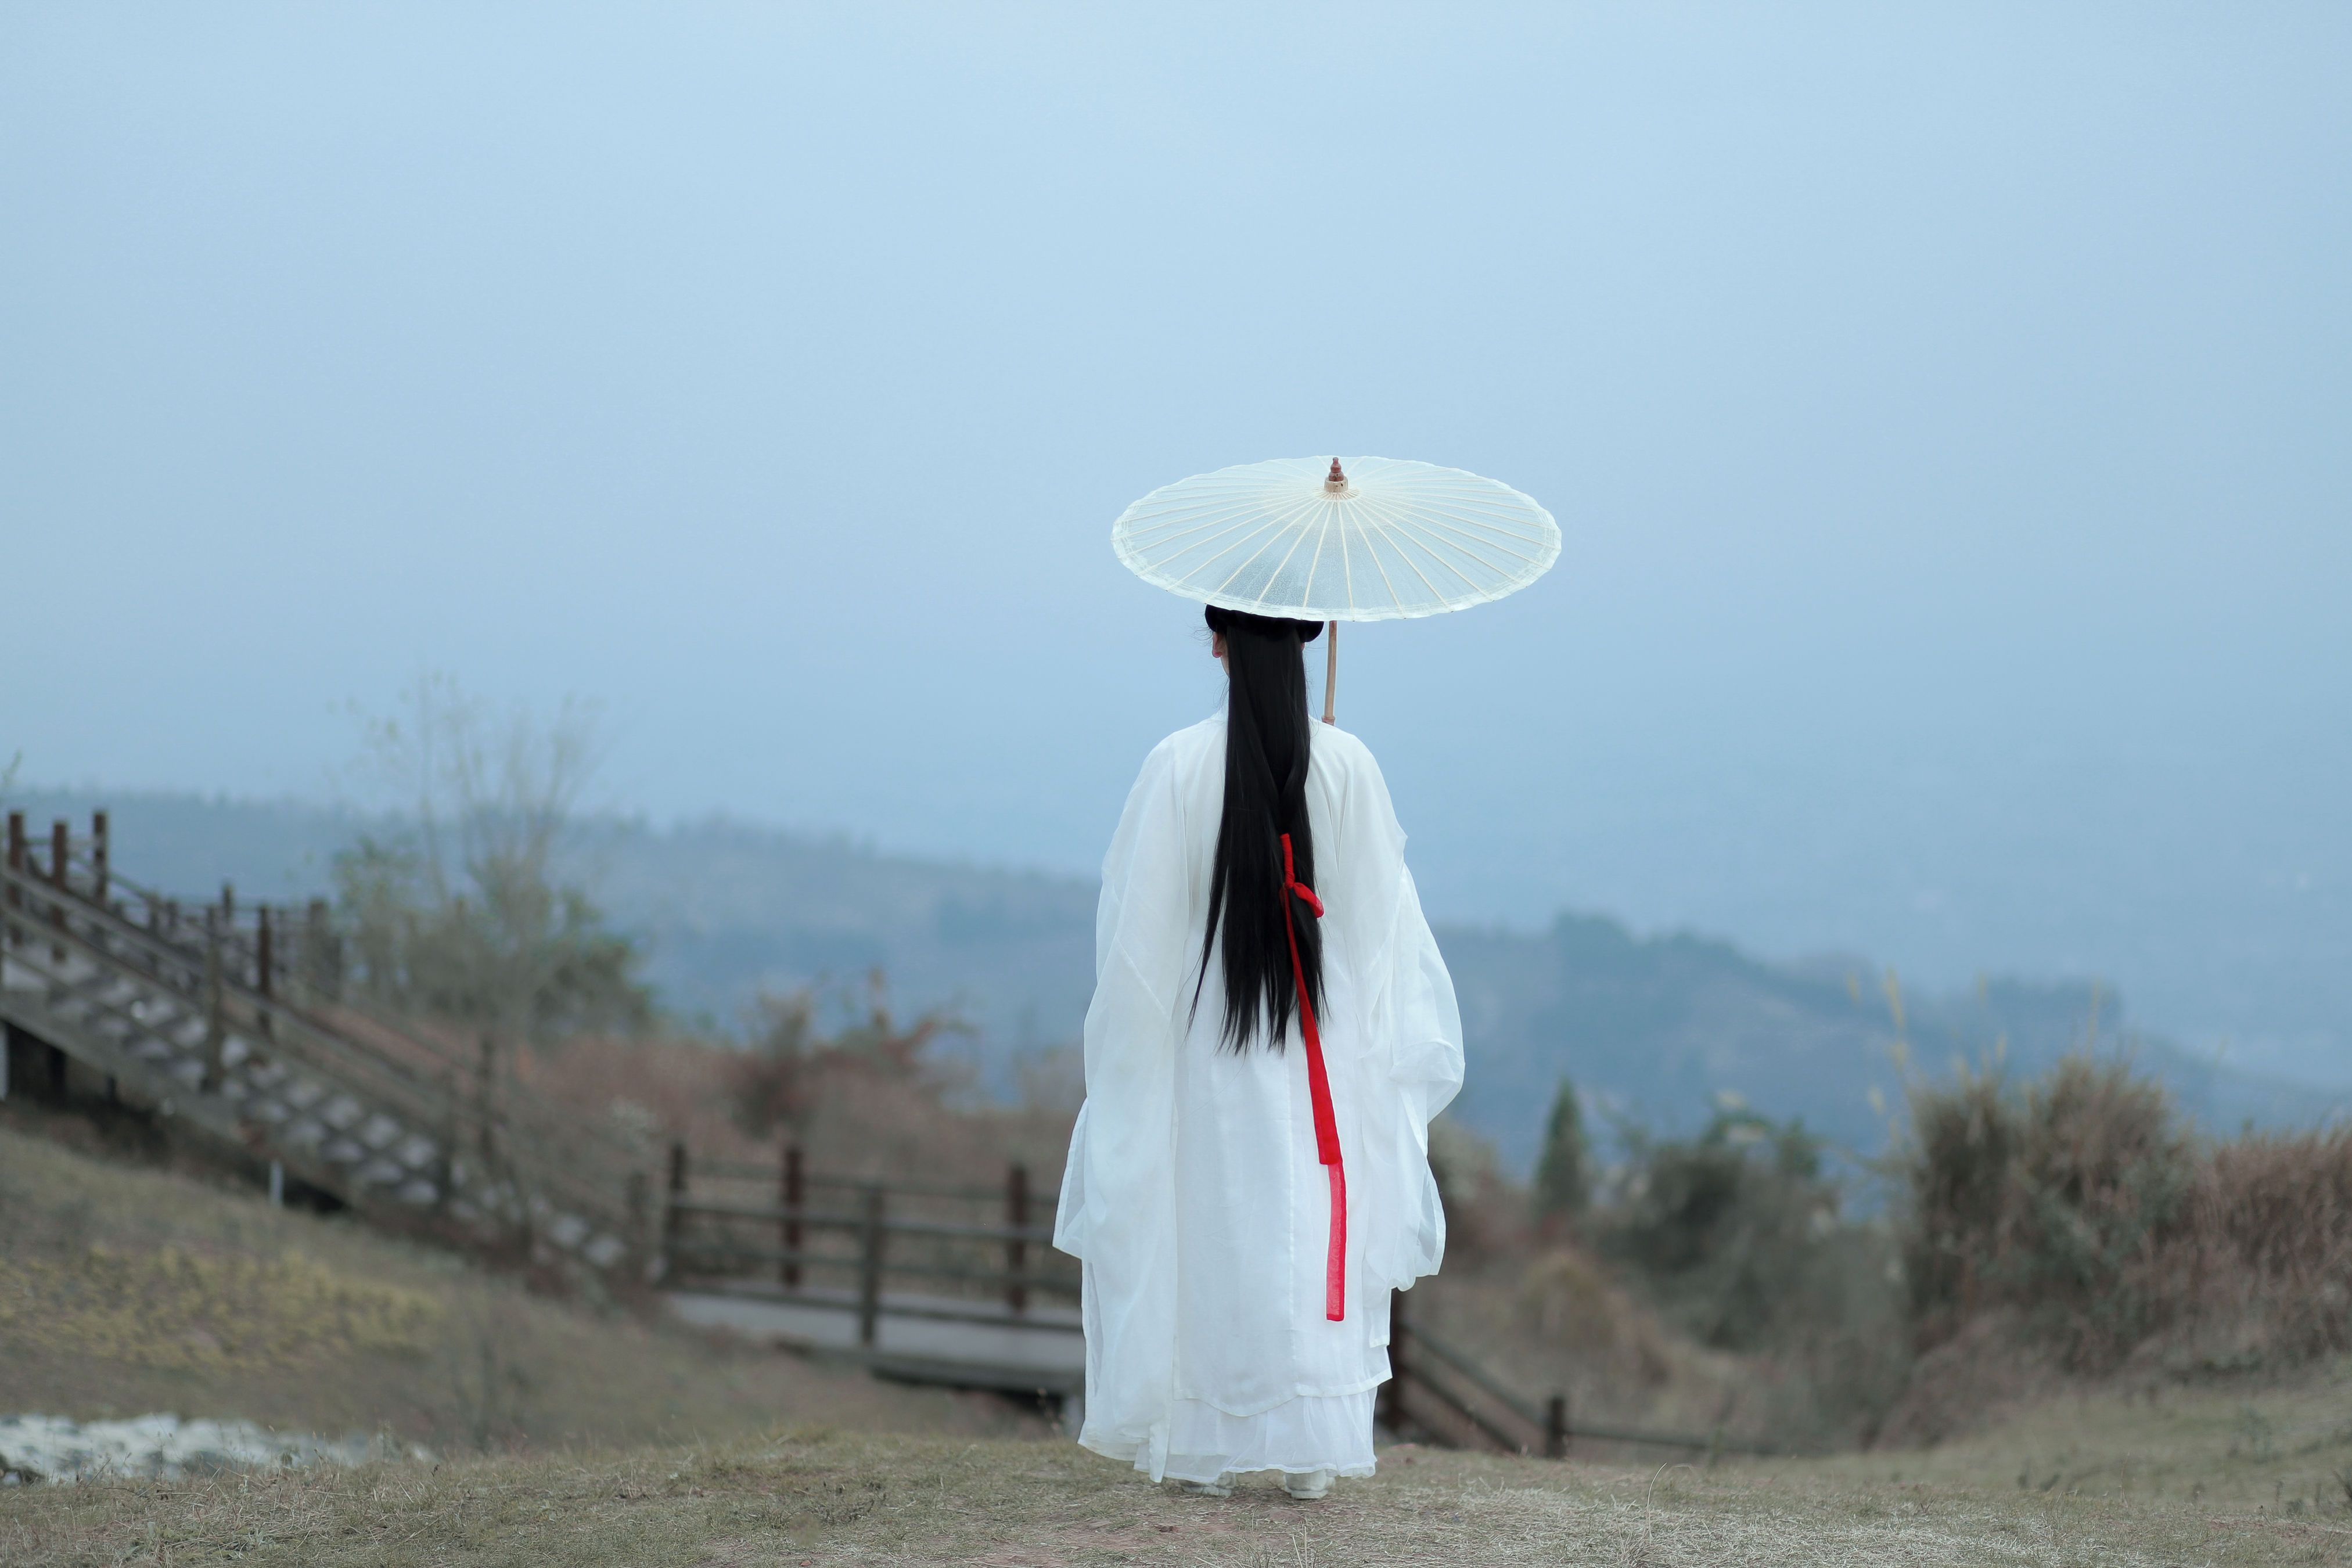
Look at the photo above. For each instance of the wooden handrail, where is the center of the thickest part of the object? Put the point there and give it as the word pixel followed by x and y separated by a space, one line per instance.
pixel 822 1220
pixel 115 945
pixel 1478 1377
pixel 744 1171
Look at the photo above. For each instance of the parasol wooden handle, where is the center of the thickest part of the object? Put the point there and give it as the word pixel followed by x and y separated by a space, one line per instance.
pixel 1331 663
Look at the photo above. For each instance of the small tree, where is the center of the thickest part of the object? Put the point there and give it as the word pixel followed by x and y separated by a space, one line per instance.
pixel 464 917
pixel 782 1078
pixel 1728 1230
pixel 1564 1174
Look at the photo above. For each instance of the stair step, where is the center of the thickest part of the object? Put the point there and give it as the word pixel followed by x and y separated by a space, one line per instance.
pixel 155 1010
pixel 144 1005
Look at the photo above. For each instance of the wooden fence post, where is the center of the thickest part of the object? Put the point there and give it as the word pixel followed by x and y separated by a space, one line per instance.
pixel 1016 1251
pixel 15 864
pixel 870 1266
pixel 1393 1391
pixel 264 962
pixel 486 1053
pixel 673 1220
pixel 215 1019
pixel 792 1179
pixel 1556 1427
pixel 61 854
pixel 452 1133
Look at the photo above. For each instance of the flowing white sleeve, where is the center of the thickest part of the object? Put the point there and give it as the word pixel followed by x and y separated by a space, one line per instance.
pixel 1412 1044
pixel 1117 1207
pixel 1423 1030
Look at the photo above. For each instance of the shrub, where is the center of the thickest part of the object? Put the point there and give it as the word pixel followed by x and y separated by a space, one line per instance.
pixel 791 1067
pixel 1736 1237
pixel 1736 1234
pixel 2260 1271
pixel 2045 1200
pixel 2082 1202
pixel 1486 1214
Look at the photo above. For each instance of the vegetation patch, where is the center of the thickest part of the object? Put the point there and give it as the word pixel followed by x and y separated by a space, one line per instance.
pixel 798 1496
pixel 176 1307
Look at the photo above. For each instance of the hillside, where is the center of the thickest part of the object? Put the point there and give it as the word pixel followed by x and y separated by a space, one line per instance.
pixel 125 1290
pixel 1651 1026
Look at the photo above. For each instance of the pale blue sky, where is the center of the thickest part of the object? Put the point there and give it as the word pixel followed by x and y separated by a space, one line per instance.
pixel 1946 407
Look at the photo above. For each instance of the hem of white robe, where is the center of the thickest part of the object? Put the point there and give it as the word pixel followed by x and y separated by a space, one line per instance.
pixel 1244 1412
pixel 1311 1432
pixel 1200 1442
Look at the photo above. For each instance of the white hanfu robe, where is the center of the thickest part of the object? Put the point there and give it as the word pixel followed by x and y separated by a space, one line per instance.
pixel 1194 1193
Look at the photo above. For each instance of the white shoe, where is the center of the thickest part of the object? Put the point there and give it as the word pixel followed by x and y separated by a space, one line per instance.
pixel 1309 1485
pixel 1222 1486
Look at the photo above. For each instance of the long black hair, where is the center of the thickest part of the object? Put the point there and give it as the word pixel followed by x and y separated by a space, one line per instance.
pixel 1266 731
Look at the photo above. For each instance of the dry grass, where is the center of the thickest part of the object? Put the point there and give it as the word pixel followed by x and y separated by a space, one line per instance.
pixel 811 1498
pixel 127 1291
pixel 615 1444
pixel 2076 1227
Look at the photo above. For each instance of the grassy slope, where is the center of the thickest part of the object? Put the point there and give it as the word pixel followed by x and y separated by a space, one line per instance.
pixel 125 1290
pixel 809 1496
pixel 611 1444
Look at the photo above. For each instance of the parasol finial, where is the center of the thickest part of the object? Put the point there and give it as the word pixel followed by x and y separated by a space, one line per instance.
pixel 1337 482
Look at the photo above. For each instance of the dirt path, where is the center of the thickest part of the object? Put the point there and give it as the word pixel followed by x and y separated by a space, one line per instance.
pixel 815 1499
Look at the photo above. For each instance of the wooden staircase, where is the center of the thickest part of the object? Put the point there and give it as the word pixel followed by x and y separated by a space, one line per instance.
pixel 232 1023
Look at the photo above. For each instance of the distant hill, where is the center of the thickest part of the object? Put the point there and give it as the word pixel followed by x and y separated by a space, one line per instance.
pixel 1649 1026
pixel 1656 1028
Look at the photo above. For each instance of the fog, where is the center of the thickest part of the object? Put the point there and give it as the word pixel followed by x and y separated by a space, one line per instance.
pixel 1947 409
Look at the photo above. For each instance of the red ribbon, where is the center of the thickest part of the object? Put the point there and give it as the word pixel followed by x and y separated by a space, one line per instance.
pixel 1318 1087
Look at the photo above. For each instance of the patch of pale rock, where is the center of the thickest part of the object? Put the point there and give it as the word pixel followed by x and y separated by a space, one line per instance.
pixel 164 1448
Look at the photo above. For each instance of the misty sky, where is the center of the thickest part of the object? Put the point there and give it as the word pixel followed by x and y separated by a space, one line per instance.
pixel 1947 408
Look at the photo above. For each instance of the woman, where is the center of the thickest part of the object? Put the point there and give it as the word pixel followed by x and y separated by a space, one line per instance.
pixel 1249 1177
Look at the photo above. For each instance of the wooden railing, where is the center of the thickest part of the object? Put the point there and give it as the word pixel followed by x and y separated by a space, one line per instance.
pixel 502 1149
pixel 1448 1396
pixel 836 1241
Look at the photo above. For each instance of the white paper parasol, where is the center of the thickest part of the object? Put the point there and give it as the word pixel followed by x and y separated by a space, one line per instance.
pixel 1366 539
